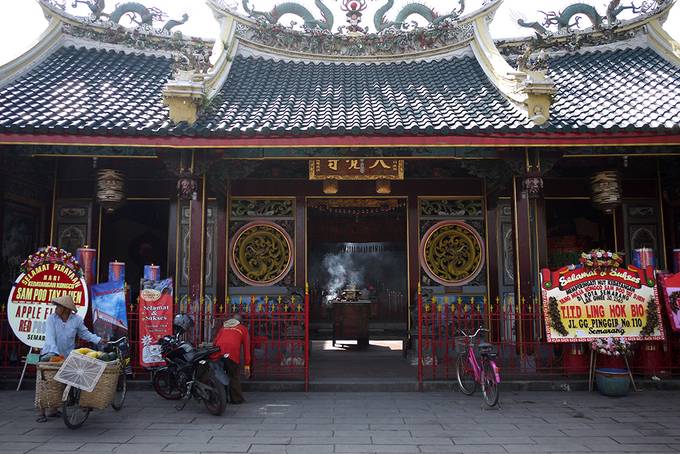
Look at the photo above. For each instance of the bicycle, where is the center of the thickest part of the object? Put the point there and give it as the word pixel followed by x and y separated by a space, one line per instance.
pixel 73 414
pixel 469 371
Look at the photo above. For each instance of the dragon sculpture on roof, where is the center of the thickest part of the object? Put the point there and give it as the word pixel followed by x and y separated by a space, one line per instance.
pixel 296 9
pixel 138 13
pixel 571 16
pixel 427 13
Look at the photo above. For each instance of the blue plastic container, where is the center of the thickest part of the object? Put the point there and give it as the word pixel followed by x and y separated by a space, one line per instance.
pixel 612 382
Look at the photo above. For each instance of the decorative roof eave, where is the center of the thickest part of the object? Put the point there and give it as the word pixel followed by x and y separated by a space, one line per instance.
pixel 662 43
pixel 506 78
pixel 347 48
pixel 50 40
pixel 486 139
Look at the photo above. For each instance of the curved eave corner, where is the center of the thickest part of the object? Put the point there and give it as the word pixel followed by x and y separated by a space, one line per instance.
pixel 48 42
pixel 225 46
pixel 659 40
pixel 508 80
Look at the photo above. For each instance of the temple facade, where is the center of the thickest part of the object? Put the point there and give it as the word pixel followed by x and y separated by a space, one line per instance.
pixel 394 166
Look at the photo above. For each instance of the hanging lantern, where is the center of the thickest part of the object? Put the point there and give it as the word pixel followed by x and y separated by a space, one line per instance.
pixel 383 186
pixel 533 185
pixel 606 190
pixel 186 186
pixel 330 186
pixel 110 189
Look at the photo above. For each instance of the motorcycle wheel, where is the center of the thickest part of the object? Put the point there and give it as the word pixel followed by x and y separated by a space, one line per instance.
pixel 165 385
pixel 217 400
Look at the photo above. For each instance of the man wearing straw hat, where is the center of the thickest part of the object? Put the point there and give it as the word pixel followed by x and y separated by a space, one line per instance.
pixel 61 328
pixel 230 338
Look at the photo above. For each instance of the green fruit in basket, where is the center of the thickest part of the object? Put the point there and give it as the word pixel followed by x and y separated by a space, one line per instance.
pixel 113 356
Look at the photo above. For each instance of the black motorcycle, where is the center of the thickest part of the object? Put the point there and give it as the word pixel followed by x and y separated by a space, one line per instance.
pixel 189 372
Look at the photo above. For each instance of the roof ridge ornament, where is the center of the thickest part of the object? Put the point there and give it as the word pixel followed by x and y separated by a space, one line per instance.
pixel 538 87
pixel 569 18
pixel 296 9
pixel 429 14
pixel 353 10
pixel 145 17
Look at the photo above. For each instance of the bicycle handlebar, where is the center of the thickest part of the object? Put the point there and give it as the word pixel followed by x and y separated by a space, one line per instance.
pixel 116 342
pixel 476 332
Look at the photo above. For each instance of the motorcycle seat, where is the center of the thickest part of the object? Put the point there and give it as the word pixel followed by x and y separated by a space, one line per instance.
pixel 204 353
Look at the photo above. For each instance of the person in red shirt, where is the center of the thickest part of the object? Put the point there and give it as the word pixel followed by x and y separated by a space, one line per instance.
pixel 229 339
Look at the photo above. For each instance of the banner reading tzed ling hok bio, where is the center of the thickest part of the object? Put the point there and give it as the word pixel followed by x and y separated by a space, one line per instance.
pixel 583 304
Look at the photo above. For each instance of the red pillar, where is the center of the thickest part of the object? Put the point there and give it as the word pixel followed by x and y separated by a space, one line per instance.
pixel 221 225
pixel 197 225
pixel 523 266
pixel 420 338
pixel 306 337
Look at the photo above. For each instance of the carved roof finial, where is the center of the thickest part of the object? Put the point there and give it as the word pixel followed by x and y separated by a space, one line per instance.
pixel 570 18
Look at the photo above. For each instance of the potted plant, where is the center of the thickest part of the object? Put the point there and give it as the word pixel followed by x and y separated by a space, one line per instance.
pixel 612 381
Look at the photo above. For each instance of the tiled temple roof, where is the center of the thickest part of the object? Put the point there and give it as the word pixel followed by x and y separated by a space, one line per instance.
pixel 102 92
pixel 615 90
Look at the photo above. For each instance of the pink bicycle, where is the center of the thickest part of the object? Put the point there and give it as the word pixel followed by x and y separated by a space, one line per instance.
pixel 471 371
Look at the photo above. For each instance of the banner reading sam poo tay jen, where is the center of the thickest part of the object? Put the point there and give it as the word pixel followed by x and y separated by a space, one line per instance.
pixel 155 319
pixel 587 303
pixel 30 300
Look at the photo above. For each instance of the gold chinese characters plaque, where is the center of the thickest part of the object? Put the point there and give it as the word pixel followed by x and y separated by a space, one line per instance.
pixel 356 169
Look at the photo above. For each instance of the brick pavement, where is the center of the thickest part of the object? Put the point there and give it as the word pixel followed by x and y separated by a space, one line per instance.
pixel 432 422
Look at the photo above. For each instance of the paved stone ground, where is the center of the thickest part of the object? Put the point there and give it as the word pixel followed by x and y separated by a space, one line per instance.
pixel 435 422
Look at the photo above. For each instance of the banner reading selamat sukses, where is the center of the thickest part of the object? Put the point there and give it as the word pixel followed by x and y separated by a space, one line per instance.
pixel 583 304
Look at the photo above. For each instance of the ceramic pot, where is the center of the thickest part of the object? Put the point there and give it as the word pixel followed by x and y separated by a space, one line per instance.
pixel 612 382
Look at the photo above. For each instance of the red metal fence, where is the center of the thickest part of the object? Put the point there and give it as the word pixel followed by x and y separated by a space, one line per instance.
pixel 517 331
pixel 278 328
pixel 279 333
pixel 11 349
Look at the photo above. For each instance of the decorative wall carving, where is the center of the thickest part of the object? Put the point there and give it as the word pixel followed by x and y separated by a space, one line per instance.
pixel 72 224
pixel 452 253
pixel 451 208
pixel 261 253
pixel 259 208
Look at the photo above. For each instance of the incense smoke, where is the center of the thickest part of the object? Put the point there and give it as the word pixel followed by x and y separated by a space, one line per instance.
pixel 342 271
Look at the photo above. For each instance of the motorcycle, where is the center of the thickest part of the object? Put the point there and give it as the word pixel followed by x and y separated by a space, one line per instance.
pixel 189 372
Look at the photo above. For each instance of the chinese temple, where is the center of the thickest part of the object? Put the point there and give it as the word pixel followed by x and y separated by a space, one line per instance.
pixel 355 170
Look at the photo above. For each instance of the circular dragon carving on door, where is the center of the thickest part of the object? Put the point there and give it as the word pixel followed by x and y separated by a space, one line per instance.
pixel 452 253
pixel 261 253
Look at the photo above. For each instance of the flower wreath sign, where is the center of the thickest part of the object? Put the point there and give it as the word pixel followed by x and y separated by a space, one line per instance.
pixel 46 274
pixel 600 299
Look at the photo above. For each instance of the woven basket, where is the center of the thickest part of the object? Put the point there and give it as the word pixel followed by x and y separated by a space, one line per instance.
pixel 103 393
pixel 48 391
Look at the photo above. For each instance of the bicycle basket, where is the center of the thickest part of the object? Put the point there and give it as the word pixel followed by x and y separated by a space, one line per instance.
pixel 80 371
pixel 461 344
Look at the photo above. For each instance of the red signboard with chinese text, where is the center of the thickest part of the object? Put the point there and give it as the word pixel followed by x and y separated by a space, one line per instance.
pixel 356 169
pixel 155 320
pixel 671 291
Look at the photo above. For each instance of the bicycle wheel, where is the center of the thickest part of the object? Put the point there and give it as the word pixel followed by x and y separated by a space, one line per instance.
pixel 73 414
pixel 490 389
pixel 121 390
pixel 465 375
